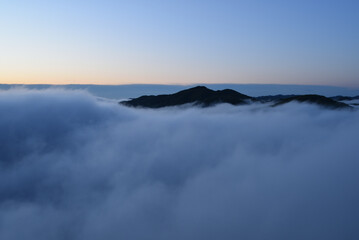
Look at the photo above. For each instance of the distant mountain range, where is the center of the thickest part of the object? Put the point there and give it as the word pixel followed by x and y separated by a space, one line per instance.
pixel 122 92
pixel 204 97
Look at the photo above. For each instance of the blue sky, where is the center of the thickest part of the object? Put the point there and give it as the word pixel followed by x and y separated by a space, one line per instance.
pixel 180 42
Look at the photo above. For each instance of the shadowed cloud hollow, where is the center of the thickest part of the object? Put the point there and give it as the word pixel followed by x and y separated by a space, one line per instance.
pixel 72 167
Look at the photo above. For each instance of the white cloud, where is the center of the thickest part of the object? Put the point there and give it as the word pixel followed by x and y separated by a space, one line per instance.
pixel 72 167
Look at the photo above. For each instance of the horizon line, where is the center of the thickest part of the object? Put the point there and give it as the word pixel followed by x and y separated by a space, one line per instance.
pixel 178 84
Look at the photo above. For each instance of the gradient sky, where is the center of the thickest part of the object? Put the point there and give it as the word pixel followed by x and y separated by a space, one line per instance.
pixel 180 42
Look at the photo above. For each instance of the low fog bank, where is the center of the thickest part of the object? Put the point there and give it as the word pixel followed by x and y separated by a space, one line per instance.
pixel 72 167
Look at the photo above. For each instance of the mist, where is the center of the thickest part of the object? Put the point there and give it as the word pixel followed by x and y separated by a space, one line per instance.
pixel 73 167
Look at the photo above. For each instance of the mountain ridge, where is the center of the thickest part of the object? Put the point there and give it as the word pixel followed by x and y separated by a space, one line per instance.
pixel 205 97
pixel 199 95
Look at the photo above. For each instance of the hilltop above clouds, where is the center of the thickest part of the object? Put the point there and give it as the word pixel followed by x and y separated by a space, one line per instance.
pixel 204 97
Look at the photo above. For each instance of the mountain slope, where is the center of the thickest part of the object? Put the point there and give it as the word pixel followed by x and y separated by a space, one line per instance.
pixel 198 95
pixel 314 99
pixel 204 97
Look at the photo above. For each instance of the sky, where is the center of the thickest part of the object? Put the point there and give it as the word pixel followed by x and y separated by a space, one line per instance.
pixel 179 42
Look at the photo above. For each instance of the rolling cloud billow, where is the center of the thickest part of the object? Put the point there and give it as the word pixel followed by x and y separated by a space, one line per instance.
pixel 72 167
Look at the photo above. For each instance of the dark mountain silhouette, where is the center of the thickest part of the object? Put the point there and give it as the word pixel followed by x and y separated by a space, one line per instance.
pixel 314 99
pixel 204 97
pixel 273 98
pixel 198 96
pixel 344 98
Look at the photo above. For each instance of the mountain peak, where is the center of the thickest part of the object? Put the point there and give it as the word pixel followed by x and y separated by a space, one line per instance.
pixel 199 95
pixel 205 97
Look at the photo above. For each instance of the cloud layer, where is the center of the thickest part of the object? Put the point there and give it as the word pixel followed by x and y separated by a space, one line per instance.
pixel 72 167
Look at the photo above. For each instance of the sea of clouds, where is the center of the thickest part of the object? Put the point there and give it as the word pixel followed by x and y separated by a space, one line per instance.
pixel 73 167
